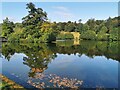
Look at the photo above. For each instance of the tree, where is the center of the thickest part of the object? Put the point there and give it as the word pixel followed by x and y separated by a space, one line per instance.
pixel 79 20
pixel 99 25
pixel 33 21
pixel 103 29
pixel 109 24
pixel 7 28
pixel 48 33
pixel 88 35
pixel 114 34
pixel 79 27
pixel 85 28
pixel 98 22
pixel 92 24
pixel 35 17
pixel 70 27
pixel 102 36
pixel 65 36
pixel 61 26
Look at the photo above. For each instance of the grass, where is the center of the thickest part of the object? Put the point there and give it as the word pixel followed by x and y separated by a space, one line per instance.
pixel 7 84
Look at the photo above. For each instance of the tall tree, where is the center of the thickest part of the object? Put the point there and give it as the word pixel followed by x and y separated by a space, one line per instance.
pixel 92 24
pixel 36 15
pixel 79 20
pixel 33 21
pixel 7 28
pixel 109 24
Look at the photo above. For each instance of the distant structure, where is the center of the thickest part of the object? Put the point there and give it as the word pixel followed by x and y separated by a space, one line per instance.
pixel 76 36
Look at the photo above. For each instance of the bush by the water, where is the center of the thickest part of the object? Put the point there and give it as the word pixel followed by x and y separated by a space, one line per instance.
pixel 88 35
pixel 65 36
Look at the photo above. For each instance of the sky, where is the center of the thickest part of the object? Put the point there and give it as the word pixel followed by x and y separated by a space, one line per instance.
pixel 62 11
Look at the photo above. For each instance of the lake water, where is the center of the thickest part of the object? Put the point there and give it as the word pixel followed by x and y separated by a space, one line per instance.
pixel 86 64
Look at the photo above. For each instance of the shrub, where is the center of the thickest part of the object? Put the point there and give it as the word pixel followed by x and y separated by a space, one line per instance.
pixel 114 34
pixel 65 36
pixel 13 38
pixel 88 35
pixel 102 37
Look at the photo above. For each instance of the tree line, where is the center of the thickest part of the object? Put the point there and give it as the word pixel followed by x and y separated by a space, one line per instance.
pixel 36 27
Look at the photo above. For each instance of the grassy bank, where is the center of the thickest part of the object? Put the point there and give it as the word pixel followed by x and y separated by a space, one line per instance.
pixel 7 84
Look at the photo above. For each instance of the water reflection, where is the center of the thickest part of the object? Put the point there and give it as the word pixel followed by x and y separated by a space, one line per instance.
pixel 38 56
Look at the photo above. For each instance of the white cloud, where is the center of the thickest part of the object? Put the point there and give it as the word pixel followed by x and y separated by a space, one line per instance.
pixel 61 8
pixel 62 13
pixel 11 19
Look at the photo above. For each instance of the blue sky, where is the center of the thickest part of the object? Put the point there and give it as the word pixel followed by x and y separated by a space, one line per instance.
pixel 63 11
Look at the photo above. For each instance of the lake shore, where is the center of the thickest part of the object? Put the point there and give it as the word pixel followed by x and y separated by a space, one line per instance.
pixel 6 83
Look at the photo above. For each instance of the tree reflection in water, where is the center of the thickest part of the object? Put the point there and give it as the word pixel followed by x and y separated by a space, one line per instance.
pixel 39 55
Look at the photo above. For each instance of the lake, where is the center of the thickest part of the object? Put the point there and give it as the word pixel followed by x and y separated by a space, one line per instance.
pixel 64 64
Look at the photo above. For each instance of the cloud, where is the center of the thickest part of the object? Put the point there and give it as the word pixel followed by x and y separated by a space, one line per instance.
pixel 62 13
pixel 13 19
pixel 61 8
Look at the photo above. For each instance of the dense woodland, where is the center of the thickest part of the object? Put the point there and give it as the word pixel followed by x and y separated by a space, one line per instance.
pixel 36 27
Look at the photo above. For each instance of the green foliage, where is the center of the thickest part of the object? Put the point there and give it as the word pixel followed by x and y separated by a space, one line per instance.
pixel 45 37
pixel 33 21
pixel 102 36
pixel 102 46
pixel 65 36
pixel 66 43
pixel 103 29
pixel 61 37
pixel 0 29
pixel 7 28
pixel 13 38
pixel 92 24
pixel 48 33
pixel 70 27
pixel 30 38
pixel 35 17
pixel 69 36
pixel 61 26
pixel 114 34
pixel 16 35
pixel 85 28
pixel 109 24
pixel 88 35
